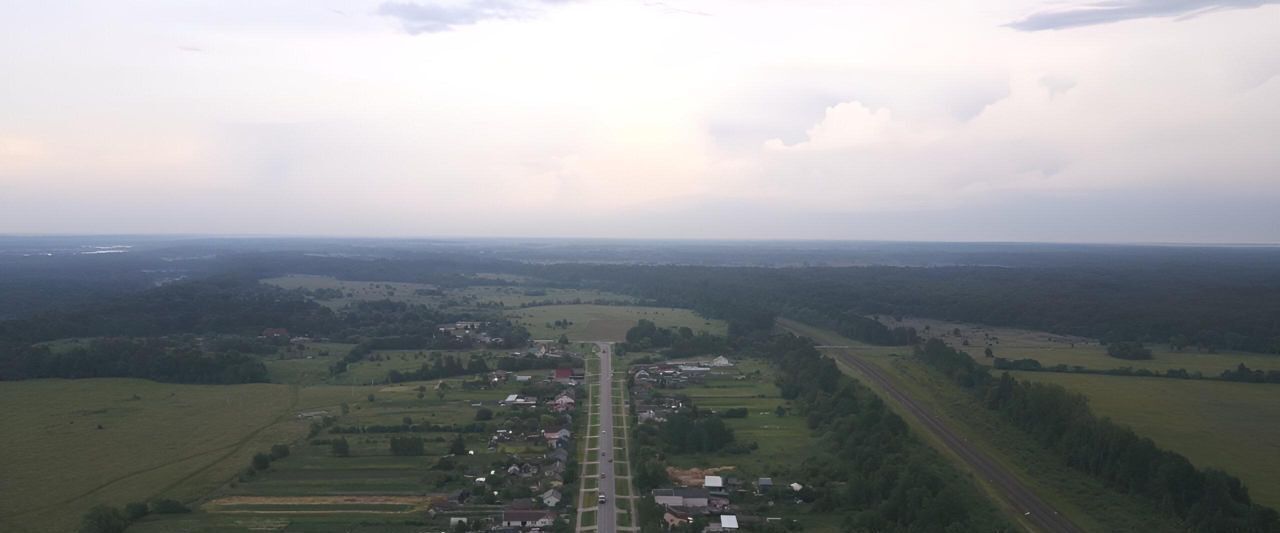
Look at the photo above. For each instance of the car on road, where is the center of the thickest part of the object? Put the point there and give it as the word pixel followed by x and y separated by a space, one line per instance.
pixel 602 499
pixel 602 475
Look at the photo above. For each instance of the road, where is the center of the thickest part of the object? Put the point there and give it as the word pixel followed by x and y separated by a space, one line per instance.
pixel 1038 514
pixel 607 515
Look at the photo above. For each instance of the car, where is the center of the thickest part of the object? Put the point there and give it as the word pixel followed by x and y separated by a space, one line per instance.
pixel 602 475
pixel 603 499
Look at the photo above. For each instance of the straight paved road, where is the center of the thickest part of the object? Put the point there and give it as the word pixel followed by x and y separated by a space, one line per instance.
pixel 1040 515
pixel 607 515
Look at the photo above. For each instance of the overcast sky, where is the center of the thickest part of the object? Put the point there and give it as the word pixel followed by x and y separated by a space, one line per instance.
pixel 1096 121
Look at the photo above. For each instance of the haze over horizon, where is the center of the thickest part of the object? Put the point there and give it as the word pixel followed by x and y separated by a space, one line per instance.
pixel 1127 121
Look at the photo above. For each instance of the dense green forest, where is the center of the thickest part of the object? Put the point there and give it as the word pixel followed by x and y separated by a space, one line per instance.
pixel 1061 421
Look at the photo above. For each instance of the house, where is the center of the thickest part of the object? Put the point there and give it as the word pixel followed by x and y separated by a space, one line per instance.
pixel 555 435
pixel 764 484
pixel 694 370
pixel 721 361
pixel 564 376
pixel 675 517
pixel 275 333
pixel 560 454
pixel 728 522
pixel 512 518
pixel 713 482
pixel 563 403
pixel 681 497
pixel 551 498
pixel 523 379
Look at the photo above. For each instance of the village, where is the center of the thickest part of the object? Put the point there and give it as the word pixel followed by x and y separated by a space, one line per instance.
pixel 714 502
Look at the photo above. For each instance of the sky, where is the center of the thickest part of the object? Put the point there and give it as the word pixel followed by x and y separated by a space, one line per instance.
pixel 1001 120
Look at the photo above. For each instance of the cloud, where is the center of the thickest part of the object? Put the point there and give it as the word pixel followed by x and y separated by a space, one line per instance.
pixel 436 17
pixel 1108 11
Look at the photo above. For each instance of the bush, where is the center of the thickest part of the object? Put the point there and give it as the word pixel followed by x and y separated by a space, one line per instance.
pixel 261 461
pixel 103 519
pixel 279 451
pixel 167 506
pixel 484 413
pixel 736 412
pixel 135 510
pixel 340 447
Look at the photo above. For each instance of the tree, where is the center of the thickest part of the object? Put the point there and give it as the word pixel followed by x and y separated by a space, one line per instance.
pixel 780 411
pixel 340 447
pixel 279 451
pixel 458 446
pixel 103 519
pixel 987 352
pixel 371 398
pixel 168 506
pixel 261 461
pixel 484 413
pixel 135 510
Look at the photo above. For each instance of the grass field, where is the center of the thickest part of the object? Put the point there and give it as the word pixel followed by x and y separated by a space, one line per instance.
pixel 1051 349
pixel 473 297
pixel 177 441
pixel 1231 426
pixel 607 322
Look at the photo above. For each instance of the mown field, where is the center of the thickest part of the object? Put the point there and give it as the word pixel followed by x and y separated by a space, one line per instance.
pixel 1225 425
pixel 1052 349
pixel 156 440
pixel 607 322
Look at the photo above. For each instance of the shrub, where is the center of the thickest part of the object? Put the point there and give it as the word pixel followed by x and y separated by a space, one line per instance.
pixel 279 451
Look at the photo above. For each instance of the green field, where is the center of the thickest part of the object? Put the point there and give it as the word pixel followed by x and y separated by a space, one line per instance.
pixel 607 322
pixel 1218 424
pixel 1051 349
pixel 176 441
pixel 472 297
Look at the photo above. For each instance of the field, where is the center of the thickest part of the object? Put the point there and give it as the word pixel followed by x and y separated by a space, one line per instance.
pixel 1216 424
pixel 607 322
pixel 314 490
pixel 177 441
pixel 473 297
pixel 1051 349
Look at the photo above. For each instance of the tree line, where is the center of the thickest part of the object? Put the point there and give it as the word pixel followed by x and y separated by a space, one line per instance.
pixel 871 464
pixel 1206 500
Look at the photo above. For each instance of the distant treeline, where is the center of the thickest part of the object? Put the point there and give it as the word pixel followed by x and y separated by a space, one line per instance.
pixel 871 460
pixel 156 359
pixel 1240 373
pixel 1188 304
pixel 1061 421
pixel 203 331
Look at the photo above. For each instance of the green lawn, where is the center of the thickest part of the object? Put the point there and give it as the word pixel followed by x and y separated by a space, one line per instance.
pixel 1225 425
pixel 606 322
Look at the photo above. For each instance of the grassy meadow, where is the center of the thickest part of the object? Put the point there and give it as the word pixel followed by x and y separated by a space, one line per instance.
pixel 156 440
pixel 607 322
pixel 1217 424
pixel 1052 349
pixel 472 297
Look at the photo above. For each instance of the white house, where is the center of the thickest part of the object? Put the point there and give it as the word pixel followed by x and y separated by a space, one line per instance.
pixel 721 361
pixel 713 482
pixel 729 522
pixel 515 518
